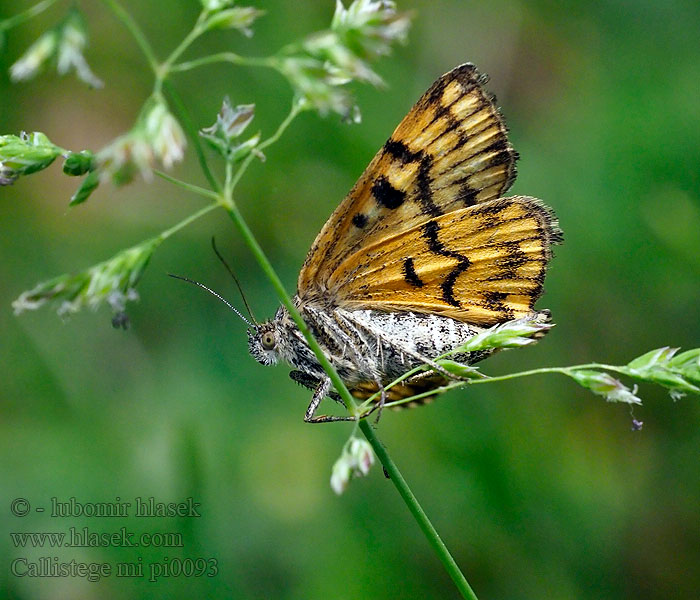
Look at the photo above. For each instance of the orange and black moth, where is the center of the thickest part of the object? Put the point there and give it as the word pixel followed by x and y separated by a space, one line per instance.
pixel 422 254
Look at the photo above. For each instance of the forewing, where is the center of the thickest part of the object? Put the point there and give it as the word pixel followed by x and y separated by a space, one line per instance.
pixel 451 151
pixel 483 264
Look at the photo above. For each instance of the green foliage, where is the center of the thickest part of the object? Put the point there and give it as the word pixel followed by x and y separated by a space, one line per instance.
pixel 24 155
pixel 230 123
pixel 79 163
pixel 521 480
pixel 111 282
pixel 355 460
pixel 64 44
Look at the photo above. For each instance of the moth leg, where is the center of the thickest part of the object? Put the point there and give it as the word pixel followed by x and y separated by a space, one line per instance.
pixel 311 383
pixel 321 391
pixel 379 406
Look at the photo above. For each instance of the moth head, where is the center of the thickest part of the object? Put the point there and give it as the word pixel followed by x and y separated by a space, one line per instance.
pixel 263 343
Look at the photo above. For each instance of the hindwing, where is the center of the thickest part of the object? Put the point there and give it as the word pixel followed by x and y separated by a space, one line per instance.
pixel 483 264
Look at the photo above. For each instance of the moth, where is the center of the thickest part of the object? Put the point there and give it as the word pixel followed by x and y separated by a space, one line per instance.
pixel 422 254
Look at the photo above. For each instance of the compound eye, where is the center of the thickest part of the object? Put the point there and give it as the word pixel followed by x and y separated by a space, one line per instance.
pixel 268 340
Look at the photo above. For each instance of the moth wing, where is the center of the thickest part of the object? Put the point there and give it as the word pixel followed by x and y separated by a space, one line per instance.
pixel 418 384
pixel 449 152
pixel 483 264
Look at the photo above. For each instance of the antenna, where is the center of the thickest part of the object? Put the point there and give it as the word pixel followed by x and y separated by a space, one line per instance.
pixel 213 293
pixel 238 284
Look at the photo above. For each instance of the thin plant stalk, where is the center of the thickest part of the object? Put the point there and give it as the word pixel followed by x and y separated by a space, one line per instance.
pixel 192 135
pixel 225 57
pixel 418 513
pixel 567 371
pixel 28 14
pixel 136 33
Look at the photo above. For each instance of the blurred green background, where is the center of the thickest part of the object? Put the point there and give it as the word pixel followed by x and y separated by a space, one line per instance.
pixel 539 488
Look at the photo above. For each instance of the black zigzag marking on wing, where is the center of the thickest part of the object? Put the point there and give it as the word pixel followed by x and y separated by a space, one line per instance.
pixel 430 233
